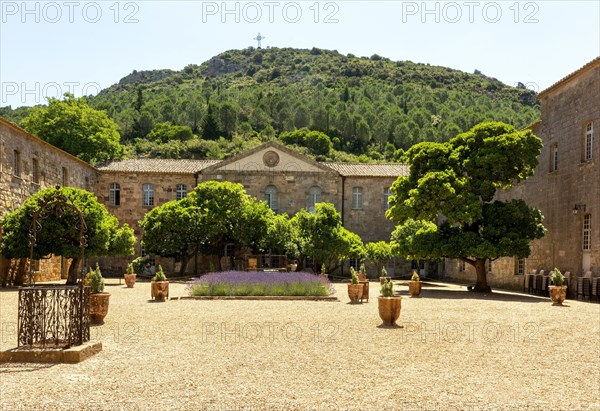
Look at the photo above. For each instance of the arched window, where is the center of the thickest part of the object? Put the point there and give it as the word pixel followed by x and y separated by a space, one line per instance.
pixel 314 196
pixel 114 194
pixel 148 195
pixel 357 198
pixel 271 198
pixel 180 191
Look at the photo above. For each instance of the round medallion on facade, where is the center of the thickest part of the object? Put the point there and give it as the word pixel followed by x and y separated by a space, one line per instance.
pixel 271 159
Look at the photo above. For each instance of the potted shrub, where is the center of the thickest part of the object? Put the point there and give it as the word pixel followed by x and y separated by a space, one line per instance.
pixel 384 276
pixel 98 298
pixel 414 285
pixel 558 291
pixel 362 273
pixel 159 286
pixel 324 272
pixel 130 276
pixel 389 305
pixel 355 288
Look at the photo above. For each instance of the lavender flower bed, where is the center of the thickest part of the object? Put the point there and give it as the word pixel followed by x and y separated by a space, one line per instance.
pixel 235 283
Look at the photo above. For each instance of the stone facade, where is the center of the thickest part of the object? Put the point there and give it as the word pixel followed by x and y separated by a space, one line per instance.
pixel 288 180
pixel 565 186
pixel 28 164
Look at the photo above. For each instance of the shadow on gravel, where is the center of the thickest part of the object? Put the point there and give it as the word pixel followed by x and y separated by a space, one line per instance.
pixel 457 294
pixel 13 368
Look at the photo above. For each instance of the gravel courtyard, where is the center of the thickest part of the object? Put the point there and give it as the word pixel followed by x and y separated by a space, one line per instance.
pixel 454 350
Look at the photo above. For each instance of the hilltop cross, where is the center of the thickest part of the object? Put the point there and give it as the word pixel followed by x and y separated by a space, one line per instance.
pixel 259 38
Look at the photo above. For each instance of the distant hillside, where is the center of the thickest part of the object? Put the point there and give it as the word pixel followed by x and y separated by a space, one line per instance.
pixel 369 107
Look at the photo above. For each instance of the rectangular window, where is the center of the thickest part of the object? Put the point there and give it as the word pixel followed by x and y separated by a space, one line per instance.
pixel 35 171
pixel 35 265
pixel 354 263
pixel 589 141
pixel 554 158
pixel 461 266
pixel 17 164
pixel 148 195
pixel 65 177
pixel 587 231
pixel 386 199
pixel 180 191
pixel 489 267
pixel 519 266
pixel 357 198
pixel 114 194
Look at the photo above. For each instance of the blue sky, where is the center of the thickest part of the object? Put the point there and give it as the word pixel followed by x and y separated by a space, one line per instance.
pixel 47 47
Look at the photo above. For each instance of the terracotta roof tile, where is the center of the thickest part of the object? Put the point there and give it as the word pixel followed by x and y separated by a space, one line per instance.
pixel 157 165
pixel 369 169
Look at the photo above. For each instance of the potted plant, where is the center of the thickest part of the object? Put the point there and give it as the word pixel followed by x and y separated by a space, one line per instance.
pixel 414 285
pixel 98 298
pixel 558 291
pixel 355 288
pixel 159 286
pixel 384 276
pixel 130 276
pixel 324 272
pixel 362 273
pixel 389 305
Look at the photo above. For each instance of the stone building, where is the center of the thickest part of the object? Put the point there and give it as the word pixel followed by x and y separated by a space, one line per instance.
pixel 565 185
pixel 28 164
pixel 287 180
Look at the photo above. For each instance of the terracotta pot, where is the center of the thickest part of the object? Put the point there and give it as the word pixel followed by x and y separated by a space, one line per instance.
pixel 389 309
pixel 159 290
pixel 98 306
pixel 355 292
pixel 558 293
pixel 414 288
pixel 130 280
pixel 362 277
pixel 382 280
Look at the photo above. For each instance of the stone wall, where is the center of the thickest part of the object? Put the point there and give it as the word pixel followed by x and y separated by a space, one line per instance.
pixel 131 209
pixel 17 181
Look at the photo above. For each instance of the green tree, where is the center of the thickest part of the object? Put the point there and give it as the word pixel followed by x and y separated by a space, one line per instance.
pixel 283 236
pixel 210 128
pixel 173 230
pixel 319 143
pixel 59 233
pixel 323 237
pixel 445 207
pixel 167 132
pixel 70 124
pixel 378 253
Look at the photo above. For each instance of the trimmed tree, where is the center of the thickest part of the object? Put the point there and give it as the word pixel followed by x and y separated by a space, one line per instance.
pixel 445 207
pixel 211 216
pixel 58 233
pixel 323 237
pixel 173 230
pixel 378 253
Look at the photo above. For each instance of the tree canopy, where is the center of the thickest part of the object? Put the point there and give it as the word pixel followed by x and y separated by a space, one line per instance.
pixel 211 216
pixel 70 124
pixel 323 237
pixel 59 233
pixel 445 207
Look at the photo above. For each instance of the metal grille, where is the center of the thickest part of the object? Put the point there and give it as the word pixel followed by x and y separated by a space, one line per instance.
pixel 53 316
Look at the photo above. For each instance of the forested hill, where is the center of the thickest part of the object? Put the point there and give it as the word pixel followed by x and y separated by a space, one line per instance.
pixel 368 107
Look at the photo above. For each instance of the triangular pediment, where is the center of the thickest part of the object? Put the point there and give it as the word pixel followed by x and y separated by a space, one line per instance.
pixel 270 157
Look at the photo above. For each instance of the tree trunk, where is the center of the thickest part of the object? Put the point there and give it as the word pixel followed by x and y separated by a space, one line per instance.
pixel 184 262
pixel 73 268
pixel 481 285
